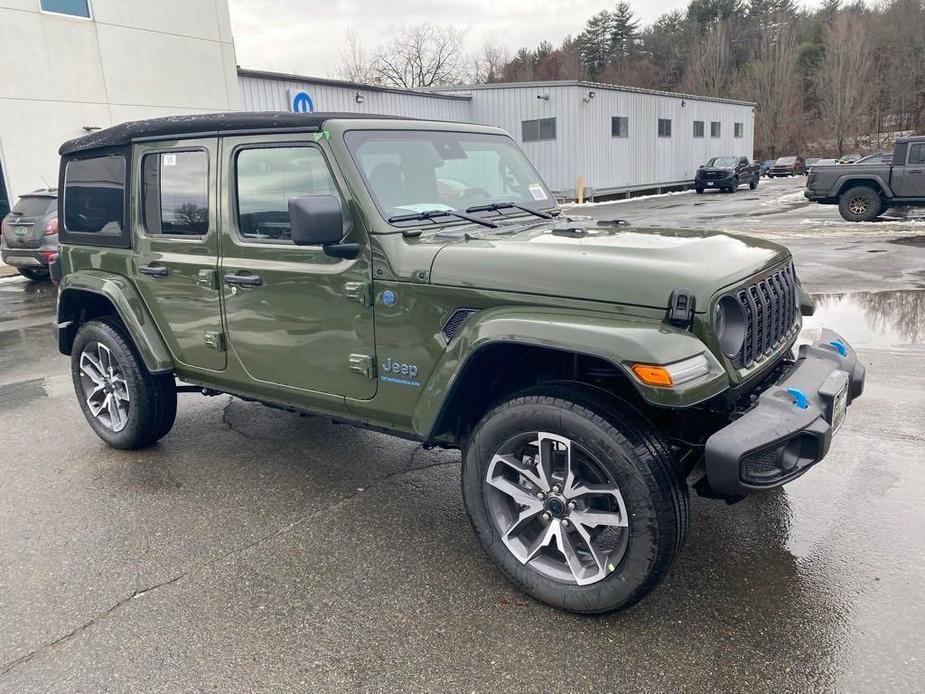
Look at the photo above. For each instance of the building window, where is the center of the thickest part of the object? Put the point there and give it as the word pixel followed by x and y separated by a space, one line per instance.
pixel 738 129
pixel 714 128
pixel 76 8
pixel 267 178
pixel 664 127
pixel 619 126
pixel 537 130
pixel 175 198
pixel 94 195
pixel 698 128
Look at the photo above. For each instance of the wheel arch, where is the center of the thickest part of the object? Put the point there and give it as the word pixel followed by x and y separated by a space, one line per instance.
pixel 87 295
pixel 844 184
pixel 505 352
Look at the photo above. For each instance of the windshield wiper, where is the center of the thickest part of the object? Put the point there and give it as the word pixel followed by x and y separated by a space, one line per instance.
pixel 430 214
pixel 495 206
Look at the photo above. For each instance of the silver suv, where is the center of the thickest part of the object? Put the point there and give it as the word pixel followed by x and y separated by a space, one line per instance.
pixel 29 240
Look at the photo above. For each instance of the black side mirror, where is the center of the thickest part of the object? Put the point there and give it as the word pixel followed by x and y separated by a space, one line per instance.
pixel 316 220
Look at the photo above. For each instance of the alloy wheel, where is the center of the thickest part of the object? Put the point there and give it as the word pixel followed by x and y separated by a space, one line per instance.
pixel 557 508
pixel 858 205
pixel 105 389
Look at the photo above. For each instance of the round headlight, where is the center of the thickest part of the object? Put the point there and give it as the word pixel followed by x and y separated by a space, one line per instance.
pixel 729 325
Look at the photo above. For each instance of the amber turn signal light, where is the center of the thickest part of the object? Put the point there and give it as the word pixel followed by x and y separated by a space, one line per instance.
pixel 652 375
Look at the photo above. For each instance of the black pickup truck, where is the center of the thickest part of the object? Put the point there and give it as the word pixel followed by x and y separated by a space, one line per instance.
pixel 727 174
pixel 863 191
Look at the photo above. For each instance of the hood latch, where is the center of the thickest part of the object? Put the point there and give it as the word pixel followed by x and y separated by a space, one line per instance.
pixel 681 308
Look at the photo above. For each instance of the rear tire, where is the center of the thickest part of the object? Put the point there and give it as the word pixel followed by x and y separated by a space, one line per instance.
pixel 860 204
pixel 126 406
pixel 605 435
pixel 33 275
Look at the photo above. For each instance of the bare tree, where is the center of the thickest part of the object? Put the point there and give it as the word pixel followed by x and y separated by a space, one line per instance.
pixel 842 85
pixel 488 65
pixel 710 66
pixel 772 79
pixel 355 64
pixel 421 56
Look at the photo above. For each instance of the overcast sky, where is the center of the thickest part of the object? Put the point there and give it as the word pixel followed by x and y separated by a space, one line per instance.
pixel 288 36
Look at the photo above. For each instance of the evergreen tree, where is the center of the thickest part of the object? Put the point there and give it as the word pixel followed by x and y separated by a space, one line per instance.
pixel 624 34
pixel 595 41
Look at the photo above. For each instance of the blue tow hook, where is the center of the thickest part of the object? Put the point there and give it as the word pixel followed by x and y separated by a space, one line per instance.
pixel 799 397
pixel 840 347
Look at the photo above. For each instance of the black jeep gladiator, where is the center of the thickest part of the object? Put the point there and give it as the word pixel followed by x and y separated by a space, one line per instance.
pixel 863 191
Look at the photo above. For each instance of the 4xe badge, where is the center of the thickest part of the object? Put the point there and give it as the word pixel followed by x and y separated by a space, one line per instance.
pixel 400 372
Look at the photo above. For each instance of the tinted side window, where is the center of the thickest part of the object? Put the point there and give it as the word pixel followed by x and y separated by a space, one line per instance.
pixel 94 195
pixel 176 193
pixel 266 180
pixel 917 154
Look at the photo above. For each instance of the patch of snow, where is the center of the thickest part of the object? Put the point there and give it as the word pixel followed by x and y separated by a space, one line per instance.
pixel 572 205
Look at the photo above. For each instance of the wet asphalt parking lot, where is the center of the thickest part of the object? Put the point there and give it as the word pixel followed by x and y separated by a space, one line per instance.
pixel 254 550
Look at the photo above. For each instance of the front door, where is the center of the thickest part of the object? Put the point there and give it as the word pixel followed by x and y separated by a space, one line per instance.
pixel 909 180
pixel 175 263
pixel 295 317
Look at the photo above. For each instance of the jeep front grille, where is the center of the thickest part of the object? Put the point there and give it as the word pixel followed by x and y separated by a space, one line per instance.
pixel 770 313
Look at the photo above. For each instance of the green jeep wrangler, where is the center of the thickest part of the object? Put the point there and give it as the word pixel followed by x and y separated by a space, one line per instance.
pixel 418 278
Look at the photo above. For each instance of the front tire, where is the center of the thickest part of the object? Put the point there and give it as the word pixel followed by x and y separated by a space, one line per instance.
pixel 699 190
pixel 753 183
pixel 860 204
pixel 575 497
pixel 126 406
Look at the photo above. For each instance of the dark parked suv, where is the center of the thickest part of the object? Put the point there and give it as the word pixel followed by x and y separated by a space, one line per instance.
pixel 788 166
pixel 726 173
pixel 30 234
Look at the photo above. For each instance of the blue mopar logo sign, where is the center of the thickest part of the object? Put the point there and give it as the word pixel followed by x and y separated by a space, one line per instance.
pixel 300 102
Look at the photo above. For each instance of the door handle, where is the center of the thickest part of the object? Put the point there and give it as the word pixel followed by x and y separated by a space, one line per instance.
pixel 233 280
pixel 153 270
pixel 916 171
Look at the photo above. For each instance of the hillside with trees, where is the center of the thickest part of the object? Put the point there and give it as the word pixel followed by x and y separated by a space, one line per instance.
pixel 839 78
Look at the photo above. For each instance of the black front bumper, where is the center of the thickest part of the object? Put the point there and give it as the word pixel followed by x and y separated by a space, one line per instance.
pixel 791 427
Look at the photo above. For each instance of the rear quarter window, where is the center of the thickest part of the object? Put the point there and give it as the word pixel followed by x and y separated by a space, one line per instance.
pixel 94 196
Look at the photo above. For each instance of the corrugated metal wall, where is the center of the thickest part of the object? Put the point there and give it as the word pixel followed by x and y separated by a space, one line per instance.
pixel 583 145
pixel 265 94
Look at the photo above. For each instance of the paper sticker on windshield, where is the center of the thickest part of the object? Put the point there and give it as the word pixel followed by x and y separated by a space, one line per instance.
pixel 170 160
pixel 537 190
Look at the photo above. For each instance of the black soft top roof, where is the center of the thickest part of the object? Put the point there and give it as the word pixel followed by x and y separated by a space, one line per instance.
pixel 203 126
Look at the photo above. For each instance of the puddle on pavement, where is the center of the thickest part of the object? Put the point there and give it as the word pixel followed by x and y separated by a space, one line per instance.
pixel 15 395
pixel 909 241
pixel 894 319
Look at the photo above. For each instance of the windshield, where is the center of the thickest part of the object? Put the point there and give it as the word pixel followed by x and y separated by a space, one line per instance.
pixel 787 160
pixel 722 162
pixel 408 171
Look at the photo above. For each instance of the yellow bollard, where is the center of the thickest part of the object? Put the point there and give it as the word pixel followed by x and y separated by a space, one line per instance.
pixel 580 189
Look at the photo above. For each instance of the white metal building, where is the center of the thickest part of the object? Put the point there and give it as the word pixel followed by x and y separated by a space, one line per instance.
pixel 70 66
pixel 616 139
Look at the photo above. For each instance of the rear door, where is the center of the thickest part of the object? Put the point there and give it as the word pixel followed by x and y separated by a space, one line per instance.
pixel 295 316
pixel 909 181
pixel 175 263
